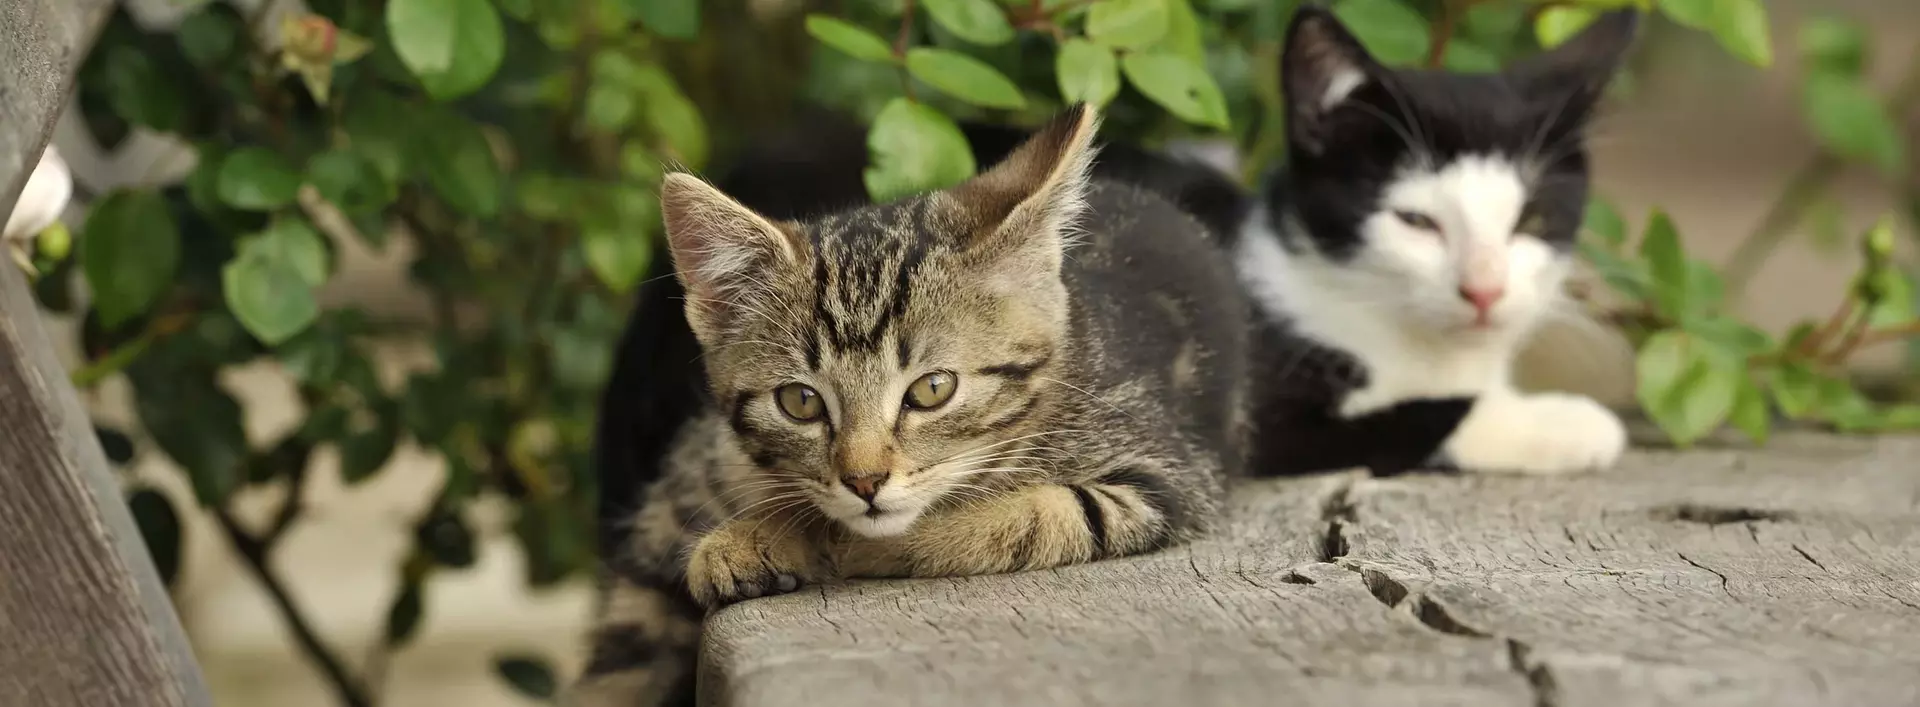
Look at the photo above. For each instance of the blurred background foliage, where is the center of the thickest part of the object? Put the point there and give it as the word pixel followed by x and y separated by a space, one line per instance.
pixel 518 144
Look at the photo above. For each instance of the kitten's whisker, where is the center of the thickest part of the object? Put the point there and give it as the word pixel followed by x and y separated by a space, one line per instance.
pixel 1097 398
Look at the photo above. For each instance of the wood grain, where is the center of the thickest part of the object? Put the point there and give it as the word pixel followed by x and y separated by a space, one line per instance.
pixel 84 618
pixel 1788 577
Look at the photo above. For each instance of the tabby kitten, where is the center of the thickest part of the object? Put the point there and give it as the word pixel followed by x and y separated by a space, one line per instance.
pixel 1422 228
pixel 1028 370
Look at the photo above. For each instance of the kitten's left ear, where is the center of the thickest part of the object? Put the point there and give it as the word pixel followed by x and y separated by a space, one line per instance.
pixel 1576 73
pixel 1037 191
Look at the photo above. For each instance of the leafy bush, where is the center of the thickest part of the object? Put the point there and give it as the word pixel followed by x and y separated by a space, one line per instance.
pixel 517 145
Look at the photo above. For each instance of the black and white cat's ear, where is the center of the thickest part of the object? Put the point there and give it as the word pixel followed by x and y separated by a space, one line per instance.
pixel 721 248
pixel 1322 65
pixel 1576 73
pixel 1037 192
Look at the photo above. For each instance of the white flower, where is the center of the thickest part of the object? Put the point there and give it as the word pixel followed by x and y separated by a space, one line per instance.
pixel 43 200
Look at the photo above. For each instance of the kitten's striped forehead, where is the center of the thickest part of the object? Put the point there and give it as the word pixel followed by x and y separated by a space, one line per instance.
pixel 864 267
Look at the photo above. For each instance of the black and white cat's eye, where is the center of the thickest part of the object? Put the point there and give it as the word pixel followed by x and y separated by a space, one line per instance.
pixel 931 390
pixel 1417 220
pixel 800 402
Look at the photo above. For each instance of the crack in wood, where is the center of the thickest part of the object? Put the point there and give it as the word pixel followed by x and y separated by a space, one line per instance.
pixel 1718 515
pixel 1546 691
pixel 1336 512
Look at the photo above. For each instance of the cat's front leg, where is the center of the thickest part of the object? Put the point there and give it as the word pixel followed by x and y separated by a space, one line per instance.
pixel 757 555
pixel 1124 512
pixel 1545 433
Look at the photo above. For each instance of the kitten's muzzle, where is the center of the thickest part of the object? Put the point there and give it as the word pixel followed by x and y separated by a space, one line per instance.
pixel 865 485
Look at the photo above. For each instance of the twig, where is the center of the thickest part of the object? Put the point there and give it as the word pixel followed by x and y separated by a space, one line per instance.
pixel 1806 186
pixel 253 553
pixel 900 47
pixel 119 358
pixel 1444 30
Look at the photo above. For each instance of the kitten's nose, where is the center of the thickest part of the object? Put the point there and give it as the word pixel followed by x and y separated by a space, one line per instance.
pixel 1482 298
pixel 865 485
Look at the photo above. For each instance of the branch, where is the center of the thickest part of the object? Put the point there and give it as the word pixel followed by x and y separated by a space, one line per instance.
pixel 1806 186
pixel 900 46
pixel 253 553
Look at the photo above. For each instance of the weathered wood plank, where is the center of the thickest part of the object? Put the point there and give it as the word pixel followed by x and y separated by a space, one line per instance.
pixel 82 612
pixel 1786 577
pixel 1237 619
pixel 1442 590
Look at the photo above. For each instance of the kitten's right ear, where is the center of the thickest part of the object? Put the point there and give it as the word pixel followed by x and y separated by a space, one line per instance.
pixel 1322 65
pixel 721 249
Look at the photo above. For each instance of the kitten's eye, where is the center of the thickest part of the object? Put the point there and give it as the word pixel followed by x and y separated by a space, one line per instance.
pixel 1417 220
pixel 931 391
pixel 799 402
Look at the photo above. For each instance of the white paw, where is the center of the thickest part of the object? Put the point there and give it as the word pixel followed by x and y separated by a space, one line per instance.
pixel 1549 433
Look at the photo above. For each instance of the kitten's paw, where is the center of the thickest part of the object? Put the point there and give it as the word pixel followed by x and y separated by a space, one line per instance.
pixel 736 562
pixel 1549 433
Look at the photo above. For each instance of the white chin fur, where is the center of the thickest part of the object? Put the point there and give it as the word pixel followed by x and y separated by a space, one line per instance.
pixel 886 525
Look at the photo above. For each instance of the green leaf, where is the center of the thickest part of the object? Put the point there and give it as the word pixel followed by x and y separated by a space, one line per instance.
pixel 1660 248
pixel 453 46
pixel 618 256
pixel 1685 387
pixel 1796 389
pixel 610 108
pixel 977 21
pixel 269 284
pixel 209 36
pixel 964 77
pixel 379 129
pixel 850 39
pixel 1178 85
pixel 676 19
pixel 1628 277
pixel 1852 122
pixel 672 118
pixel 529 676
pixel 1395 34
pixel 1742 27
pixel 457 161
pixel 351 182
pixel 129 254
pixel 257 179
pixel 196 423
pixel 1833 46
pixel 1127 24
pixel 447 539
pixel 1893 303
pixel 1706 290
pixel 365 453
pixel 139 89
pixel 1087 72
pixel 1560 23
pixel 1750 414
pixel 1464 56
pixel 521 10
pixel 1845 407
pixel 1900 418
pixel 1183 33
pixel 914 149
pixel 1604 221
pixel 115 444
pixel 403 616
pixel 1698 14
pixel 1734 337
pixel 160 528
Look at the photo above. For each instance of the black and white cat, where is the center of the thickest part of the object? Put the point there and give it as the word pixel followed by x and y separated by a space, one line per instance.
pixel 1421 228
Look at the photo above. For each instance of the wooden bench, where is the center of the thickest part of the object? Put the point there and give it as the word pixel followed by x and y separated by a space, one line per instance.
pixel 84 620
pixel 1789 576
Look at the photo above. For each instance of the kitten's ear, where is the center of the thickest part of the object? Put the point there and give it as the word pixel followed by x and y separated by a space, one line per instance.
pixel 721 249
pixel 1575 74
pixel 1322 65
pixel 1038 190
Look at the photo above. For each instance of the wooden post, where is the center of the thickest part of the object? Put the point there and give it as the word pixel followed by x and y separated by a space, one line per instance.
pixel 84 619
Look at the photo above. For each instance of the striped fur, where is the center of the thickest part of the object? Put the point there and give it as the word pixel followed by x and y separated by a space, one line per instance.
pixel 1096 344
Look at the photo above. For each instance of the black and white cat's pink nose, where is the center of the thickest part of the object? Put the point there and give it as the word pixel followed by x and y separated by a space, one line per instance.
pixel 1483 298
pixel 866 486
